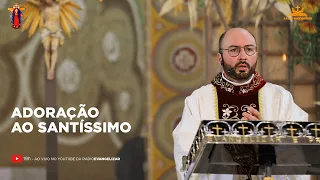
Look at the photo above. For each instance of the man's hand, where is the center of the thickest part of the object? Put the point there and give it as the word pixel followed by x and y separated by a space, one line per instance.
pixel 252 115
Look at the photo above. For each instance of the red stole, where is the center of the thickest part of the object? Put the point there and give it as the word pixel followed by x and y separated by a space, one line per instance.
pixel 234 100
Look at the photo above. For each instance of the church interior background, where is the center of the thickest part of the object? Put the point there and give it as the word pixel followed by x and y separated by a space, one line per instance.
pixel 134 66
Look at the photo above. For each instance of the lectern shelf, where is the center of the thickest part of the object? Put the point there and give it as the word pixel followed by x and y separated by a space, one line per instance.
pixel 222 146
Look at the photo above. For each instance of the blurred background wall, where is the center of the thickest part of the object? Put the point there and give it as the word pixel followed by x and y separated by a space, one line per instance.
pixel 134 66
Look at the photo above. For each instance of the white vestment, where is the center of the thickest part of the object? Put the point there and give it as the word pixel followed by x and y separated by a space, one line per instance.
pixel 276 104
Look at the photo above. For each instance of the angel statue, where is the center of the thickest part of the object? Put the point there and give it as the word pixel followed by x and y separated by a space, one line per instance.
pixel 51 16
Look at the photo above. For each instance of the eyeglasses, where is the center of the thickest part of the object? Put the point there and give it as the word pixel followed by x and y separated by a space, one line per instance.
pixel 235 50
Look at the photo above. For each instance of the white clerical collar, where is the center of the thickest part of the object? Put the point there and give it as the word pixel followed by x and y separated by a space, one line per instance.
pixel 237 84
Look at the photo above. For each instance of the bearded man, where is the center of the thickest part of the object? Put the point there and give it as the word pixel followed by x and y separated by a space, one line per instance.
pixel 237 93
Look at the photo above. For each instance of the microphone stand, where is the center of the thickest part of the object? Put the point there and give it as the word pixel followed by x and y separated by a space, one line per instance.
pixel 267 175
pixel 267 157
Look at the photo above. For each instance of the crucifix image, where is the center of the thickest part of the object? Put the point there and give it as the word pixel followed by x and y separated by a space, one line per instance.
pixel 52 17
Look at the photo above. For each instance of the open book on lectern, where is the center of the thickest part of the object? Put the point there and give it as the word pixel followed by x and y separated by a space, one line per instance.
pixel 254 147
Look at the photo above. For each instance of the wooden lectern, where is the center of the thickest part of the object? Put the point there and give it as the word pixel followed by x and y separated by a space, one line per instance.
pixel 254 148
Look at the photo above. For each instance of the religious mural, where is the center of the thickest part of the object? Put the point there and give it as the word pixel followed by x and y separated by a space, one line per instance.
pixel 176 58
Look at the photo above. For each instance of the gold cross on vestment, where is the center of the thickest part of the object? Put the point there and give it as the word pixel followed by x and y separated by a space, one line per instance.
pixel 298 7
pixel 217 128
pixel 315 129
pixel 291 129
pixel 268 128
pixel 243 128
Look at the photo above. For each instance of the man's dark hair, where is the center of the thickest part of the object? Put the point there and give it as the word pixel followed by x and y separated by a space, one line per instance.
pixel 220 41
pixel 222 37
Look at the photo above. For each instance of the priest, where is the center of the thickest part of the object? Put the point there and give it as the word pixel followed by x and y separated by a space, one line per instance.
pixel 239 92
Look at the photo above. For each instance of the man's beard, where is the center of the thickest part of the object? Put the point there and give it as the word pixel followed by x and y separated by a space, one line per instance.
pixel 242 75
